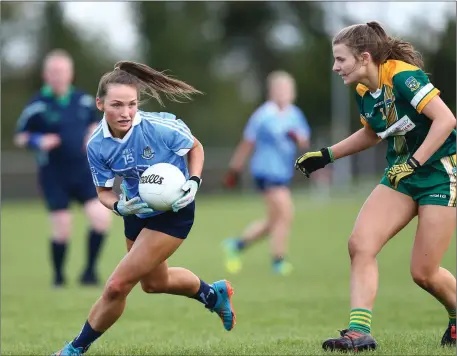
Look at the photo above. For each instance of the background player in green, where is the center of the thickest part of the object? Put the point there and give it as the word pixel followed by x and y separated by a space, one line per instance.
pixel 399 104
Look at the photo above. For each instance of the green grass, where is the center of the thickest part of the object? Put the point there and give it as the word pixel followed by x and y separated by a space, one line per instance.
pixel 282 316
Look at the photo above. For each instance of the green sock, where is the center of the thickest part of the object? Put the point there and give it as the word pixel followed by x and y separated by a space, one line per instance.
pixel 360 320
pixel 451 316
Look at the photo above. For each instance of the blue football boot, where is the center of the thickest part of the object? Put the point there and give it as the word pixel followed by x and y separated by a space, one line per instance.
pixel 224 307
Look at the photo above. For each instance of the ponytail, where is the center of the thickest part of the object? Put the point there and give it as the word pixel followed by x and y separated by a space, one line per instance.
pixel 147 80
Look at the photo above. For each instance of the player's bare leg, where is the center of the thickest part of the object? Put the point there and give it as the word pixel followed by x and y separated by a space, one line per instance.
pixel 434 232
pixel 163 279
pixel 151 248
pixel 383 215
pixel 233 246
pixel 61 230
pixel 180 281
pixel 281 211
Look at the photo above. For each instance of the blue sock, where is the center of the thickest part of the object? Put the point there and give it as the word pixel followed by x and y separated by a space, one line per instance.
pixel 277 260
pixel 86 337
pixel 206 295
pixel 240 244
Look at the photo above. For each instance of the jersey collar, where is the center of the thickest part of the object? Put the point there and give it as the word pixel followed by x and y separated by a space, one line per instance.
pixel 107 133
pixel 64 100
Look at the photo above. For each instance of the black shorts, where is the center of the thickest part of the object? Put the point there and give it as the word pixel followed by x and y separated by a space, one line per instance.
pixel 59 189
pixel 174 224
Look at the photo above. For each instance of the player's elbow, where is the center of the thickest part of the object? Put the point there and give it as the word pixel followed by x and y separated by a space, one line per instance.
pixel 20 140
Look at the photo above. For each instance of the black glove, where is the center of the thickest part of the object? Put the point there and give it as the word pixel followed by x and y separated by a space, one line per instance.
pixel 312 161
pixel 400 171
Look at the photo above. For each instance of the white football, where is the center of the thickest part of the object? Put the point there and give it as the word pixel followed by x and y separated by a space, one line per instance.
pixel 160 186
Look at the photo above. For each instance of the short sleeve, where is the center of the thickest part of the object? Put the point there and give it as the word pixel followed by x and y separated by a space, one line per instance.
pixel 176 136
pixel 29 119
pixel 252 127
pixel 102 176
pixel 415 87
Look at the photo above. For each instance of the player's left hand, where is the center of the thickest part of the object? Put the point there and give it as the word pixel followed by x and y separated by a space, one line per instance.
pixel 400 171
pixel 191 188
pixel 293 136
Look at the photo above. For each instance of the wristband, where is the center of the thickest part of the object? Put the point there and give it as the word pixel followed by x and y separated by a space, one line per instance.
pixel 414 162
pixel 196 179
pixel 330 153
pixel 34 140
pixel 115 211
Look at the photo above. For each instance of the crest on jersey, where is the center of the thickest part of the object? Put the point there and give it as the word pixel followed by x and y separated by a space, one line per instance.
pixel 148 153
pixel 412 83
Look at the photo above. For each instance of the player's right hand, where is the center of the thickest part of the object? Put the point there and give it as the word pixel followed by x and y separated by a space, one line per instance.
pixel 312 161
pixel 231 179
pixel 124 207
pixel 49 141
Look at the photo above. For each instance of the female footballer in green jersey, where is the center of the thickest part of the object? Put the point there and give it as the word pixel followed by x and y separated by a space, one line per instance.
pixel 398 104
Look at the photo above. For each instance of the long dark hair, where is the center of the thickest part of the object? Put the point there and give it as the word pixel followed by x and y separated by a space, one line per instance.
pixel 147 81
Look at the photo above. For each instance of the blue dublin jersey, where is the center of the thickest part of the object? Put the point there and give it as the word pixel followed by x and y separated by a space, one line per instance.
pixel 274 152
pixel 154 138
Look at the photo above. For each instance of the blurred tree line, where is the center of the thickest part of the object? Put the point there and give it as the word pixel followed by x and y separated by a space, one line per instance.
pixel 224 49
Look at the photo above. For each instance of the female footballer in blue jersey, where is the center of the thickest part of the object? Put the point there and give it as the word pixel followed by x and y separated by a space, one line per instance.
pixel 56 125
pixel 126 143
pixel 273 132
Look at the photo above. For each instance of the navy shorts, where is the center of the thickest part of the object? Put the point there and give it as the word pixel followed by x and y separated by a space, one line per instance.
pixel 264 184
pixel 60 189
pixel 174 224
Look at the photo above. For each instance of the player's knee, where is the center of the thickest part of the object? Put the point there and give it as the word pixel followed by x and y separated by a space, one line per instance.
pixel 61 225
pixel 358 247
pixel 116 289
pixel 103 222
pixel 156 286
pixel 99 216
pixel 422 276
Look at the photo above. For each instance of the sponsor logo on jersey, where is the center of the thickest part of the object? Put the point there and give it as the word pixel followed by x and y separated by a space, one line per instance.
pixel 412 83
pixel 148 153
pixel 399 128
pixel 152 179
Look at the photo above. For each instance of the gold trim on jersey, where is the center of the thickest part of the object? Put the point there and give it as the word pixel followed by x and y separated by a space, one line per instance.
pixel 434 92
pixel 391 117
pixel 392 67
pixel 361 89
pixel 449 165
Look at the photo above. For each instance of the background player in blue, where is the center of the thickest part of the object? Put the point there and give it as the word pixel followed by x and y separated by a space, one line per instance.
pixel 273 132
pixel 56 124
pixel 126 143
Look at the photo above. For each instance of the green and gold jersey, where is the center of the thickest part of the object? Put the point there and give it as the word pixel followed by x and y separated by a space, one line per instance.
pixel 394 111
